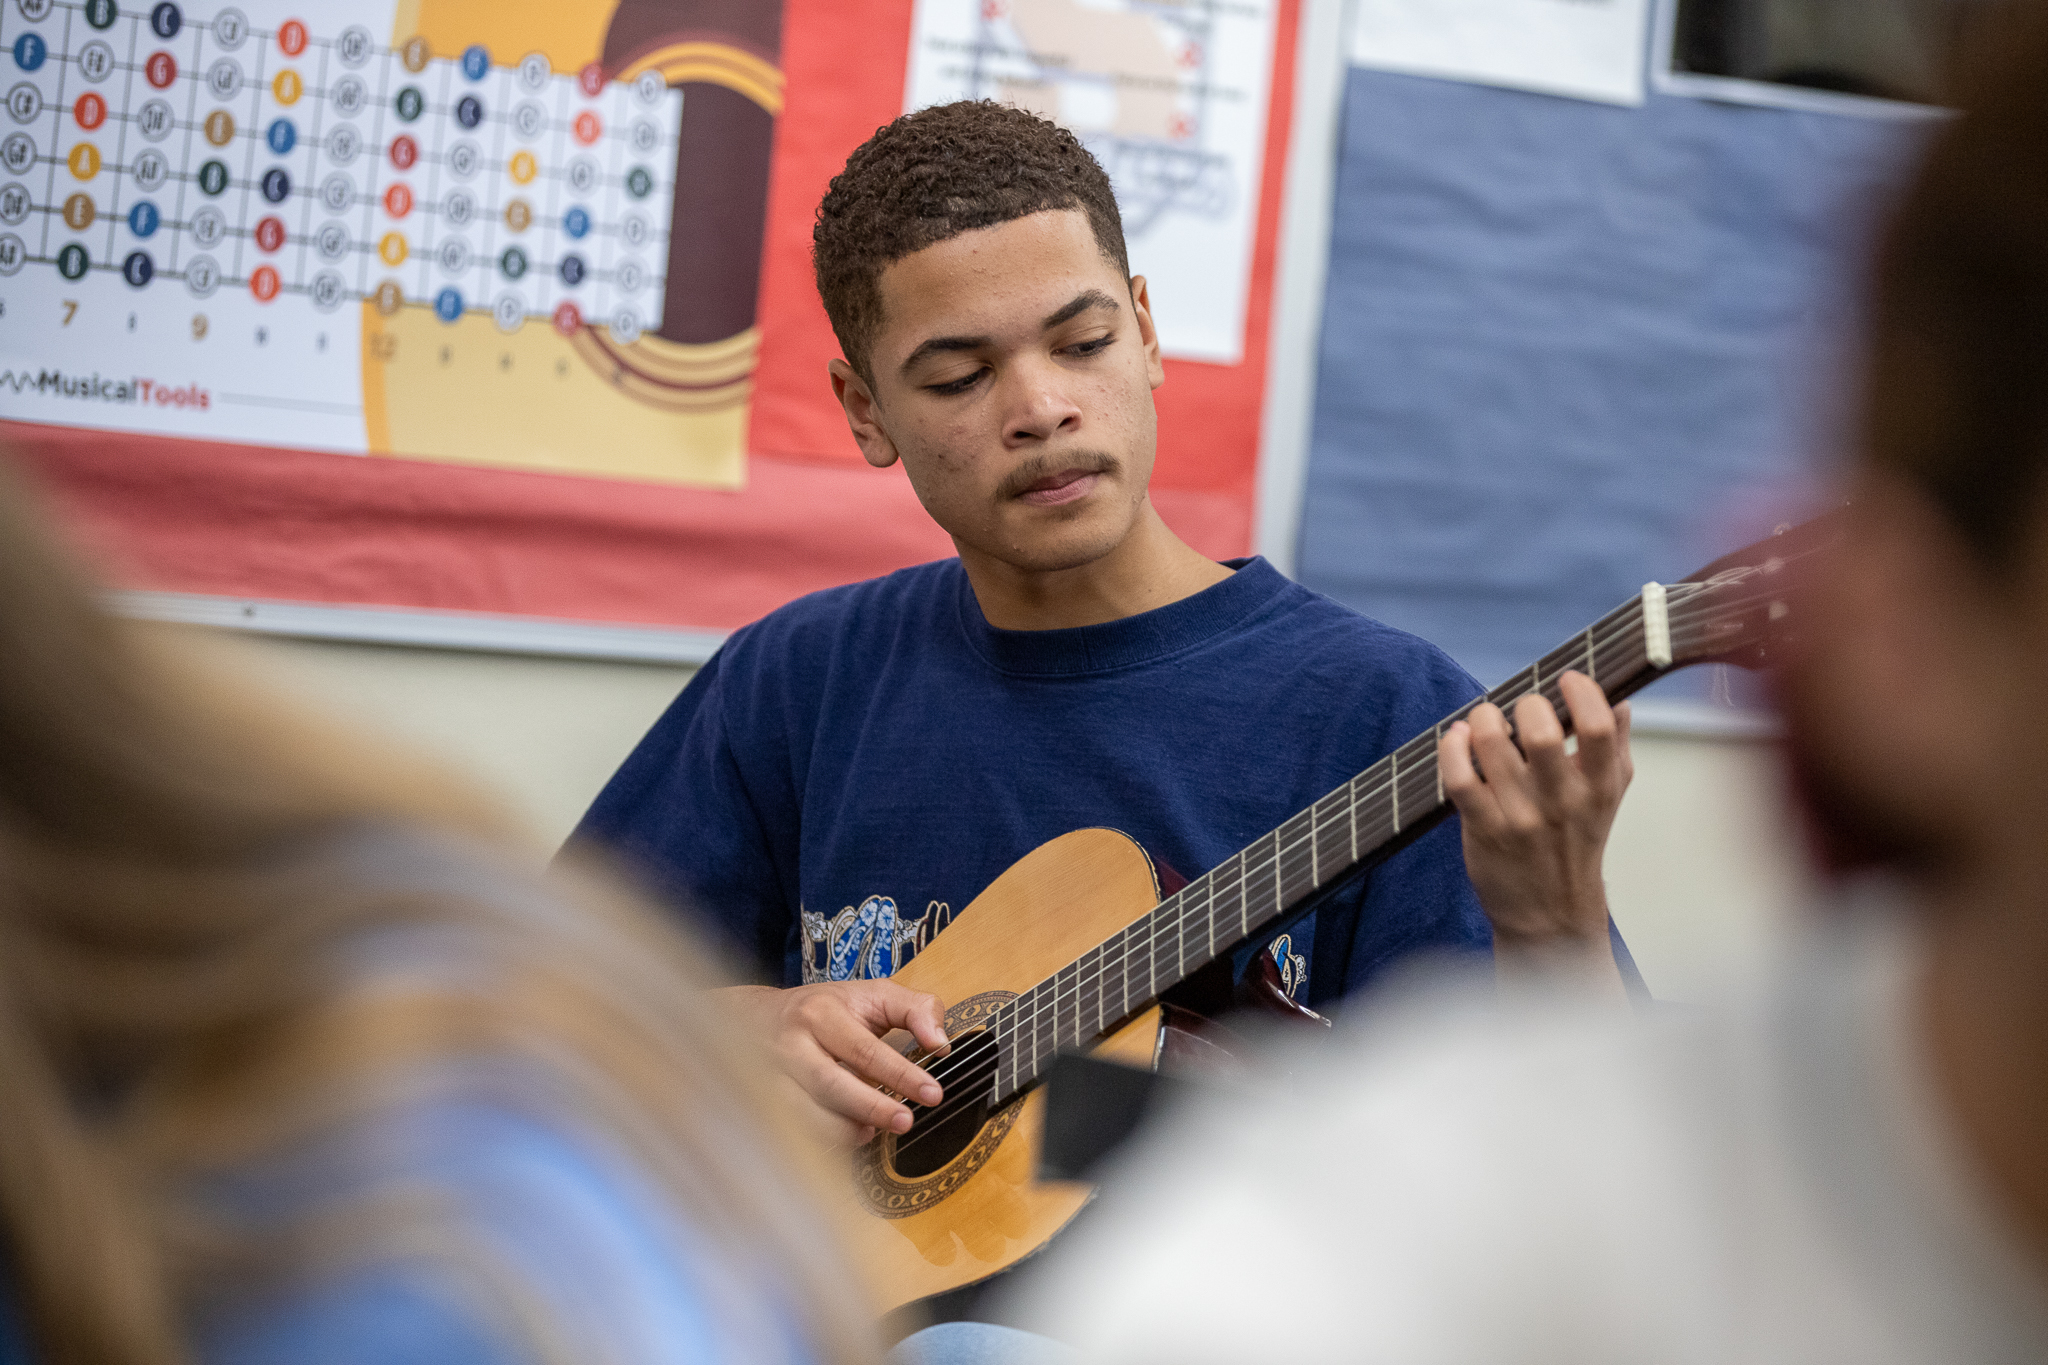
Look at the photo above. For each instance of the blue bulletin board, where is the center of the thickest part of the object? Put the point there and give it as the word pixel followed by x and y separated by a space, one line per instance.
pixel 1568 348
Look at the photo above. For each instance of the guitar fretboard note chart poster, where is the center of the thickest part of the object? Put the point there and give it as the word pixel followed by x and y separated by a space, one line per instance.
pixel 285 224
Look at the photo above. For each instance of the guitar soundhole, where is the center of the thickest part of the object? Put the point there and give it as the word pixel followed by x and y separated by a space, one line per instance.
pixel 938 1135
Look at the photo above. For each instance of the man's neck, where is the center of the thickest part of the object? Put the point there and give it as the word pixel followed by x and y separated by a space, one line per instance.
pixel 1150 568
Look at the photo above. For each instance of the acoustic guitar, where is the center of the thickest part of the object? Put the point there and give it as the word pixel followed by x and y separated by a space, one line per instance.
pixel 1073 945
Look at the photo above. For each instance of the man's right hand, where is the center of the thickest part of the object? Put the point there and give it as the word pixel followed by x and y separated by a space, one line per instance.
pixel 828 1040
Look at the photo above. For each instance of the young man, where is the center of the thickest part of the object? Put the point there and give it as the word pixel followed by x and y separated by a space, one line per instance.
pixel 851 771
pixel 1850 1166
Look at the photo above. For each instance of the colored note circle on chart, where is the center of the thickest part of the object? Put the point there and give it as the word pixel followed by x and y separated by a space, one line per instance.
pixel 587 127
pixel 84 161
pixel 72 261
pixel 410 103
pixel 448 305
pixel 571 270
pixel 576 223
pixel 388 297
pixel 30 51
pixel 213 177
pixel 568 318
pixel 398 201
pixel 79 212
pixel 291 38
pixel 282 136
pixel 276 184
pixel 160 70
pixel 143 218
pixel 90 111
pixel 639 182
pixel 101 13
pixel 404 151
pixel 524 168
pixel 512 263
pixel 518 215
pixel 138 268
pixel 415 53
pixel 263 283
pixel 469 111
pixel 476 61
pixel 220 127
pixel 391 249
pixel 286 87
pixel 270 233
pixel 590 80
pixel 165 20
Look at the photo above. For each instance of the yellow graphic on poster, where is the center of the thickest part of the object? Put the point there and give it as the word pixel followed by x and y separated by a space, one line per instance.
pixel 470 231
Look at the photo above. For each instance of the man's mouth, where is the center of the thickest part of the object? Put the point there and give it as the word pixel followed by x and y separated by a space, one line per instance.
pixel 1065 486
pixel 1042 486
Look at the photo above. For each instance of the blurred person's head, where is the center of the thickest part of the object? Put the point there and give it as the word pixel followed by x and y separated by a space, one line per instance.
pixel 209 965
pixel 1918 724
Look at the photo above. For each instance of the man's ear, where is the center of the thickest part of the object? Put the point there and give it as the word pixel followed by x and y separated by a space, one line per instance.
pixel 863 414
pixel 1141 304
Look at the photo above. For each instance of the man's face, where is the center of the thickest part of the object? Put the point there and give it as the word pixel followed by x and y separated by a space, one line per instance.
pixel 1013 376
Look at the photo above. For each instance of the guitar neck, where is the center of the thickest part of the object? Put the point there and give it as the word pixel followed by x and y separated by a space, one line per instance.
pixel 1362 822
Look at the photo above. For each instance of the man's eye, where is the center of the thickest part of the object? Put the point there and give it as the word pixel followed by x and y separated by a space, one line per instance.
pixel 960 385
pixel 1091 347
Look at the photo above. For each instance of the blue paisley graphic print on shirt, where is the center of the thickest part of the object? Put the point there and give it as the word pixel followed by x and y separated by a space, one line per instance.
pixel 867 941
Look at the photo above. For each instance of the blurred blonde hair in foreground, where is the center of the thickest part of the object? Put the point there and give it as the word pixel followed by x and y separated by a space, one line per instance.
pixel 227 933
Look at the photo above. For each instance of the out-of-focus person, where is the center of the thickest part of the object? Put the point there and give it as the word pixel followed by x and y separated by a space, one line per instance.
pixel 1845 1163
pixel 299 1066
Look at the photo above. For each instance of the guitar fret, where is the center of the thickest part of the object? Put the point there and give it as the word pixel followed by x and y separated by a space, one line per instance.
pixel 1396 756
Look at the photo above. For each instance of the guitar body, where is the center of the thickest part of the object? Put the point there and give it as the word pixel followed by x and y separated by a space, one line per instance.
pixel 919 1228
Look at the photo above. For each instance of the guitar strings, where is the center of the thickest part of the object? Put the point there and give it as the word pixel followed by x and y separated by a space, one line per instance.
pixel 1089 988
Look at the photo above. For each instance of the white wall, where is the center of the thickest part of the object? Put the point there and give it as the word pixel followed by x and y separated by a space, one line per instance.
pixel 1700 873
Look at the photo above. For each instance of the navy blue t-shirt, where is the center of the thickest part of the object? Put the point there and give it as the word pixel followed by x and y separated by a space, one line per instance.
pixel 849 772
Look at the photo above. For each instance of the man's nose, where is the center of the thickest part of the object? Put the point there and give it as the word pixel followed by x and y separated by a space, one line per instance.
pixel 1040 407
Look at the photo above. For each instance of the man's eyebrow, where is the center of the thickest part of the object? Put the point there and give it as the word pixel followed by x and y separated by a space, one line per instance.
pixel 939 345
pixel 1079 304
pixel 1073 308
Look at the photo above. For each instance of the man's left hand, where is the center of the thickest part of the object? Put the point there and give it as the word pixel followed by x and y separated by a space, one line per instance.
pixel 1536 820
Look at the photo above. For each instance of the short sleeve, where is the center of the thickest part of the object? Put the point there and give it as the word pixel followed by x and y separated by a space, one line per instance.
pixel 682 814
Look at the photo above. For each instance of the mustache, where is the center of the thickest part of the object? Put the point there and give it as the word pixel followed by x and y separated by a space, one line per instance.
pixel 1045 466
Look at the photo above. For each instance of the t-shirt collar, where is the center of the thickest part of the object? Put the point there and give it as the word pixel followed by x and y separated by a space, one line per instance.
pixel 1133 640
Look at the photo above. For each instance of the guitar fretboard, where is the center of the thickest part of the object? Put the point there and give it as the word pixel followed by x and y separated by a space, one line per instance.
pixel 1365 820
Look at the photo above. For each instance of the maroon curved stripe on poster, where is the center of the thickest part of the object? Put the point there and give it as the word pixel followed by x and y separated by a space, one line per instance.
pixel 721 170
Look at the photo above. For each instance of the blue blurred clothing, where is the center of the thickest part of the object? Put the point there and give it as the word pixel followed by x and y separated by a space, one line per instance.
pixel 464 1201
pixel 489 1211
pixel 849 772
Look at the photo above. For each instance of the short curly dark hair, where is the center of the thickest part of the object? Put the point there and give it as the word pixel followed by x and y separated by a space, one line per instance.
pixel 932 175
